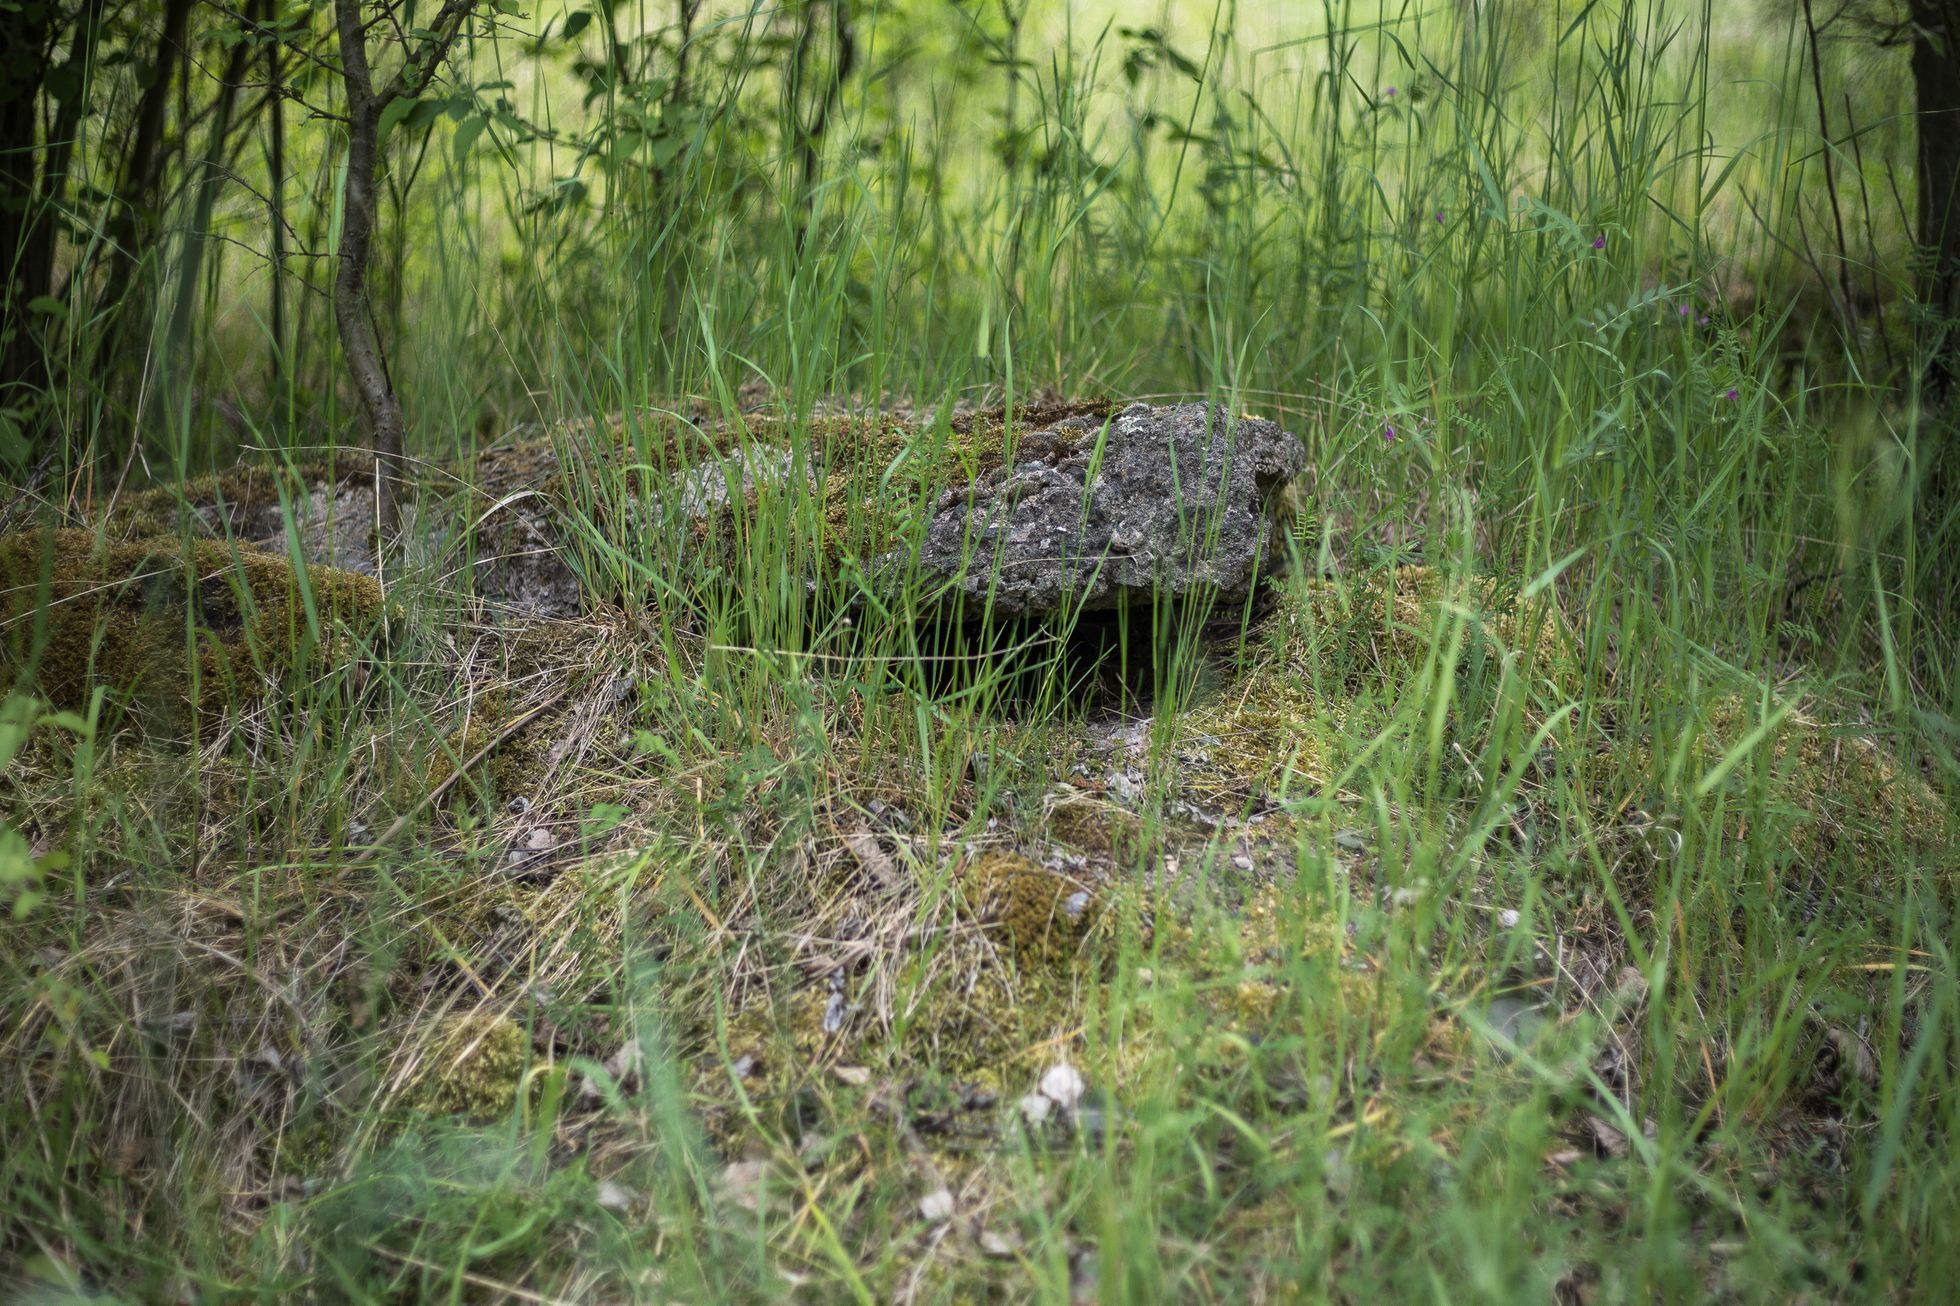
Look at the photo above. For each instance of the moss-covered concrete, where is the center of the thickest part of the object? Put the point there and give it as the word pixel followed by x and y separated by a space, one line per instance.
pixel 176 626
pixel 244 500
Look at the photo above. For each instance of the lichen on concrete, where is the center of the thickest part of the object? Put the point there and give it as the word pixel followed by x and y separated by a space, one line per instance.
pixel 1151 505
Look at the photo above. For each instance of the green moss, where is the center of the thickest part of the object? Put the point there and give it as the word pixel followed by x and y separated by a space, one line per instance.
pixel 1335 656
pixel 1096 826
pixel 1383 626
pixel 1028 909
pixel 1829 790
pixel 504 769
pixel 1276 970
pixel 473 1066
pixel 790 1034
pixel 235 496
pixel 177 626
pixel 999 1026
pixel 866 498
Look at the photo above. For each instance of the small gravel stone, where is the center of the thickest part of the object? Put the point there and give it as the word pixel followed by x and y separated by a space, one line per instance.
pixel 1063 1085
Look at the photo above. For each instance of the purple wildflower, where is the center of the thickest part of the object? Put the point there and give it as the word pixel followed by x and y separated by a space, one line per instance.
pixel 1391 92
pixel 1388 433
pixel 1439 215
pixel 1732 393
pixel 1702 320
pixel 1599 241
pixel 1684 310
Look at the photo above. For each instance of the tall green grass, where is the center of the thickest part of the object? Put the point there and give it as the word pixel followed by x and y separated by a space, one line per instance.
pixel 1468 296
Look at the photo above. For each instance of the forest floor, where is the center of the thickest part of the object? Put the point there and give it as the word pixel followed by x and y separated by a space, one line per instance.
pixel 579 930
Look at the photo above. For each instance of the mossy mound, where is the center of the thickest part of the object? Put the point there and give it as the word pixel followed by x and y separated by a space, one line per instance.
pixel 872 476
pixel 1033 912
pixel 510 769
pixel 987 1006
pixel 177 626
pixel 1384 626
pixel 1096 825
pixel 1333 655
pixel 1829 789
pixel 243 501
pixel 472 1065
pixel 1245 973
pixel 974 443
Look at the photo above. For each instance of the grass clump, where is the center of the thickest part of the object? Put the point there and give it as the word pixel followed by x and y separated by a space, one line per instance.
pixel 1507 922
pixel 1818 792
pixel 1334 666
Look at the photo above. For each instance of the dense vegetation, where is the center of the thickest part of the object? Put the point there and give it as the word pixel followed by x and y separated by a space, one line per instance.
pixel 453 848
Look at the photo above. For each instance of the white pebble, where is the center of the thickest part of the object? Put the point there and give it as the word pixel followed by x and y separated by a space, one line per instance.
pixel 1063 1085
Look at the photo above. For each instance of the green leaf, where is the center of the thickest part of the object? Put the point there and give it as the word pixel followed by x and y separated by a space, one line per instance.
pixel 466 135
pixel 48 306
pixel 392 114
pixel 575 24
pixel 15 448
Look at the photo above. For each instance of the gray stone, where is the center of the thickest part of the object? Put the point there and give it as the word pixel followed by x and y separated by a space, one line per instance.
pixel 1160 503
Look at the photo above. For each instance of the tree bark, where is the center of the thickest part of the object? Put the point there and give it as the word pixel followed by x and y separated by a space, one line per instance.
pixel 1936 79
pixel 359 341
pixel 275 189
pixel 25 38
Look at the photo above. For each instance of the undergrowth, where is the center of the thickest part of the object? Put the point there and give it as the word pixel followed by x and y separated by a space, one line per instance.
pixel 634 888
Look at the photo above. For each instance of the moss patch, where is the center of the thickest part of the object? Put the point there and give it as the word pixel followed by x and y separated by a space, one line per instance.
pixel 472 1066
pixel 872 473
pixel 1320 684
pixel 1383 626
pixel 243 501
pixel 1032 911
pixel 1831 789
pixel 178 626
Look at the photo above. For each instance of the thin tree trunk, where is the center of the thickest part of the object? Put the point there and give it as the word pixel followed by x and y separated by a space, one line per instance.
pixel 810 134
pixel 25 34
pixel 1936 78
pixel 275 162
pixel 132 228
pixel 66 127
pixel 352 312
